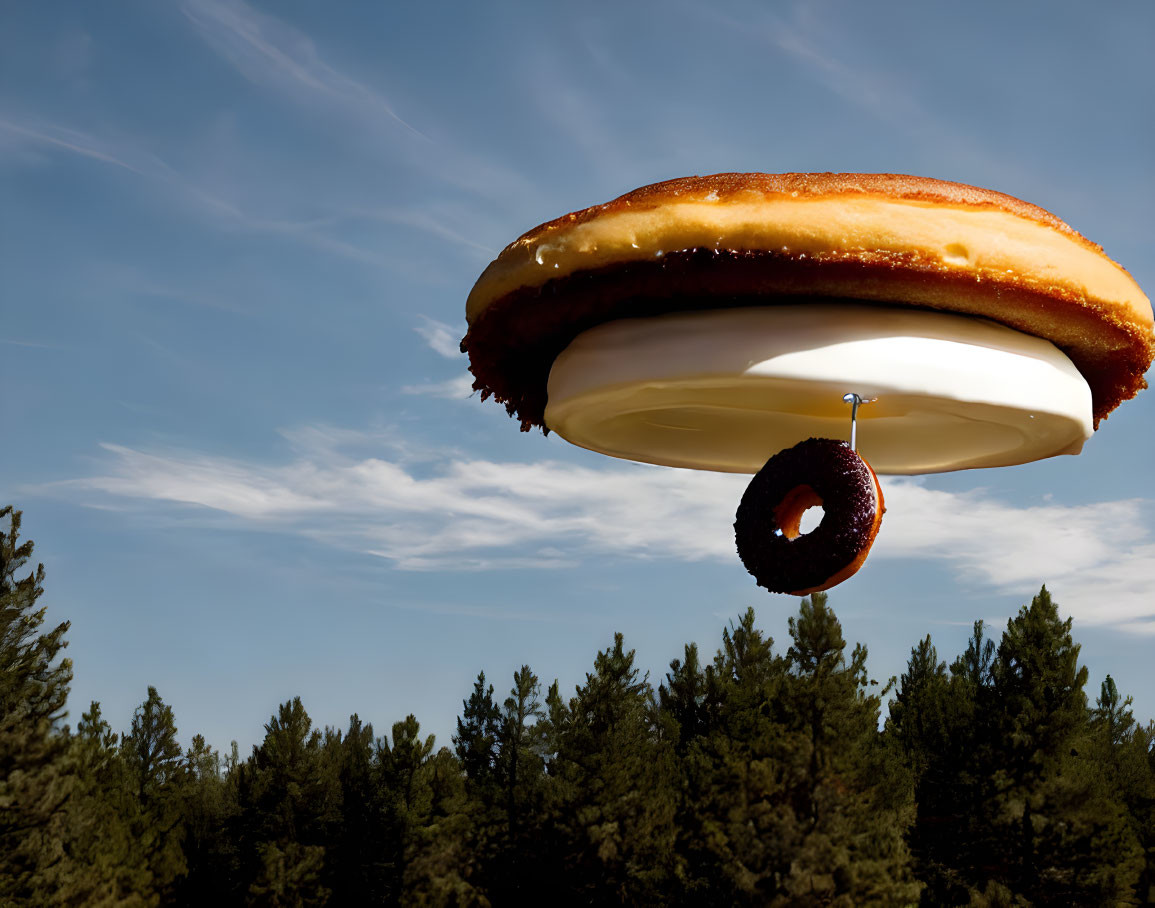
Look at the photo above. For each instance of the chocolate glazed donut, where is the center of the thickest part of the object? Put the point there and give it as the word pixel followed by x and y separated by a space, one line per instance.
pixel 818 471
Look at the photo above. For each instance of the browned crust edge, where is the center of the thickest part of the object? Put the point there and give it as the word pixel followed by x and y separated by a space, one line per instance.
pixel 513 343
pixel 808 185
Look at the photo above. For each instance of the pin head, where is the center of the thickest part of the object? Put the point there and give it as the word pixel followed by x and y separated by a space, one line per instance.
pixel 854 400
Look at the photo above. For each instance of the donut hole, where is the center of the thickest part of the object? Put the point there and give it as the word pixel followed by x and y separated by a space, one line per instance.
pixel 799 512
pixel 810 520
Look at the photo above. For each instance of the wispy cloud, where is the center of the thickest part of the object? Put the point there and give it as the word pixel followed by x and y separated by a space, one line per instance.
pixel 458 388
pixel 442 338
pixel 37 345
pixel 562 100
pixel 422 219
pixel 72 141
pixel 824 50
pixel 1099 556
pixel 269 52
pixel 329 209
pixel 809 42
pixel 492 613
pixel 454 513
pixel 132 281
pixel 232 215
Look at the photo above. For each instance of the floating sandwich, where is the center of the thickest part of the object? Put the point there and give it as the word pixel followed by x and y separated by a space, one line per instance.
pixel 710 322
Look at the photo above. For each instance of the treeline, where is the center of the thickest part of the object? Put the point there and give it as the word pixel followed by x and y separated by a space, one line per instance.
pixel 759 776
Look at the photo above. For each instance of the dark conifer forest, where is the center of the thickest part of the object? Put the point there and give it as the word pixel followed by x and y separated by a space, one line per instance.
pixel 763 773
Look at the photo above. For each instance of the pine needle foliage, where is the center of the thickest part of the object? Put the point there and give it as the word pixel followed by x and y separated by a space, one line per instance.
pixel 757 775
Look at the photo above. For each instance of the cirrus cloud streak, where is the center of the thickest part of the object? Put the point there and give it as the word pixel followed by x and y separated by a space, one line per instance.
pixel 448 512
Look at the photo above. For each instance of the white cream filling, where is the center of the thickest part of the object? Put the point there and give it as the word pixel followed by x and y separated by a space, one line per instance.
pixel 724 390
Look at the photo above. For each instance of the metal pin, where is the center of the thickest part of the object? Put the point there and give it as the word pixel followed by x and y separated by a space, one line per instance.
pixel 854 400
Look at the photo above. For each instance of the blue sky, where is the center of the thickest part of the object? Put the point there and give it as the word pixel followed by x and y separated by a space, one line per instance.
pixel 235 245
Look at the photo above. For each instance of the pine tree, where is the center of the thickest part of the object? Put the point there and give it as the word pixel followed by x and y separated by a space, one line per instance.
pixel 1009 804
pixel 355 865
pixel 787 795
pixel 437 839
pixel 103 863
pixel 289 799
pixel 35 783
pixel 1038 689
pixel 152 758
pixel 735 832
pixel 33 685
pixel 917 722
pixel 1039 686
pixel 151 748
pixel 959 845
pixel 407 797
pixel 1115 753
pixel 1111 716
pixel 682 698
pixel 612 806
pixel 209 810
pixel 1139 795
pixel 510 841
pixel 1011 807
pixel 444 854
pixel 520 761
pixel 555 724
pixel 949 739
pixel 402 760
pixel 920 729
pixel 853 801
pixel 477 734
